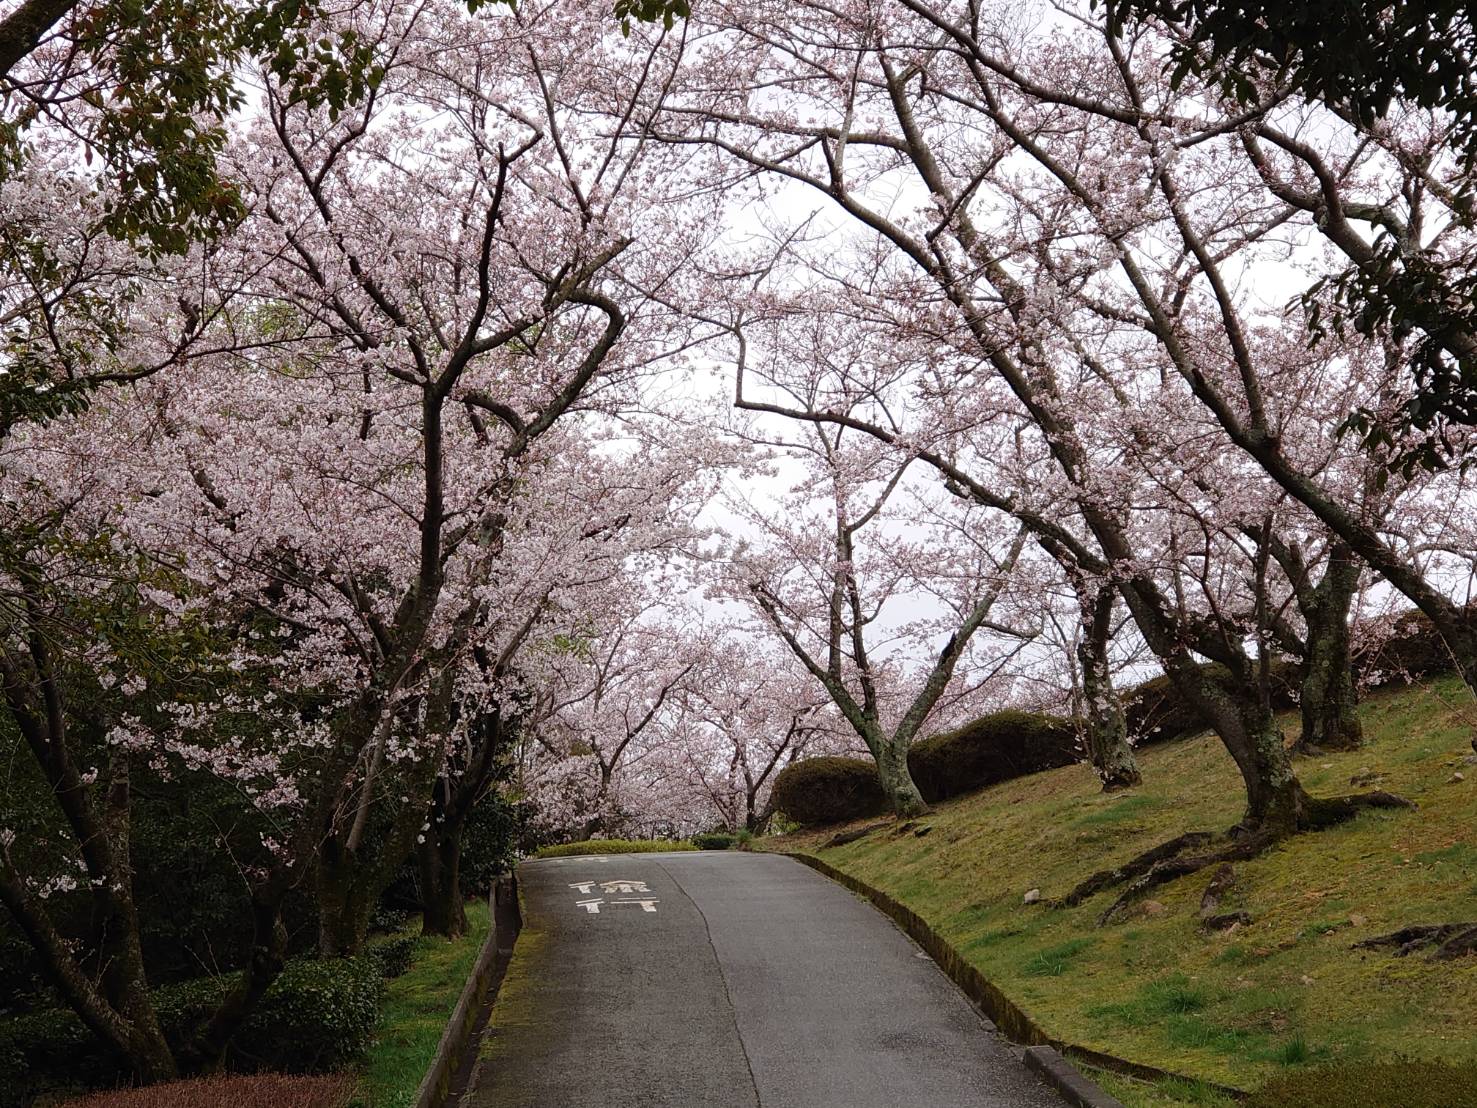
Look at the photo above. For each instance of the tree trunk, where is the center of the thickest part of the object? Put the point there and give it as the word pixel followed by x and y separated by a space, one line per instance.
pixel 344 903
pixel 897 781
pixel 1107 730
pixel 439 858
pixel 1330 721
pixel 1275 800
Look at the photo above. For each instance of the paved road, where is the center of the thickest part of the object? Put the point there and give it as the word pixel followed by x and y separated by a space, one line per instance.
pixel 729 980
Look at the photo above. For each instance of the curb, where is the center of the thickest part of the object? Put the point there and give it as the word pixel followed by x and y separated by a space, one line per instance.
pixel 1008 1016
pixel 481 987
pixel 1058 1072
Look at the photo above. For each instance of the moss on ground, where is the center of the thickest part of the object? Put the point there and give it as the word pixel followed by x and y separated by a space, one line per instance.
pixel 1237 1008
pixel 517 1004
pixel 416 1007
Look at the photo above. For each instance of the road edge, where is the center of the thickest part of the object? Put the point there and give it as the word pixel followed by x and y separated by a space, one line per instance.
pixel 1008 1017
pixel 440 1085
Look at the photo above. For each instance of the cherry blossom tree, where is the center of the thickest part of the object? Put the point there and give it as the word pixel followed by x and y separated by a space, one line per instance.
pixel 829 583
pixel 356 497
pixel 751 713
pixel 858 111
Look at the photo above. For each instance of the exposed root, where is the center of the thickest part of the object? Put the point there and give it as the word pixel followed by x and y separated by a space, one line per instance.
pixel 1172 869
pixel 844 837
pixel 1330 811
pixel 1171 860
pixel 1452 939
pixel 1134 867
pixel 1222 881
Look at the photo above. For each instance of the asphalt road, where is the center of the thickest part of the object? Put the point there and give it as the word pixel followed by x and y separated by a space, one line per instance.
pixel 730 980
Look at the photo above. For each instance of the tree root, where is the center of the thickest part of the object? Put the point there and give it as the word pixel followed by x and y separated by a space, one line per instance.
pixel 1222 881
pixel 1323 812
pixel 1452 939
pixel 1132 868
pixel 1171 869
pixel 844 837
pixel 1169 861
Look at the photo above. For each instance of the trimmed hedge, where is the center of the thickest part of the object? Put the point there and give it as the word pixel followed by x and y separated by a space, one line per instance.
pixel 613 846
pixel 993 748
pixel 815 792
pixel 1155 711
pixel 714 840
pixel 1406 1083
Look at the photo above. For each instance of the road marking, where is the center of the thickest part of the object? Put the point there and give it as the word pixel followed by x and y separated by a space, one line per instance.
pixel 585 887
pixel 646 905
pixel 591 906
pixel 624 886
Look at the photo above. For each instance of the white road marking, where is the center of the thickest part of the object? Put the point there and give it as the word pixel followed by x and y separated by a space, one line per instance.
pixel 624 886
pixel 591 906
pixel 585 887
pixel 646 905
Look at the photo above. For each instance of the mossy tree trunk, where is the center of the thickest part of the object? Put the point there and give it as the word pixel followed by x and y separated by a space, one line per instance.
pixel 1328 695
pixel 903 795
pixel 1107 729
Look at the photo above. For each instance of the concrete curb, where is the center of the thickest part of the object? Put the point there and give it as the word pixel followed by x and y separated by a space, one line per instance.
pixel 482 984
pixel 1067 1080
pixel 1008 1016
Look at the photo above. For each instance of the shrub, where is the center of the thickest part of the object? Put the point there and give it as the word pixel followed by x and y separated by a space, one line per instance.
pixel 714 840
pixel 317 1016
pixel 1410 1084
pixel 44 1049
pixel 393 956
pixel 993 748
pixel 817 791
pixel 266 1090
pixel 613 846
pixel 1156 712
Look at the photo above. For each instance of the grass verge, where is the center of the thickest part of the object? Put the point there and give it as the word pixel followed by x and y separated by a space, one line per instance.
pixel 416 1007
pixel 1236 1008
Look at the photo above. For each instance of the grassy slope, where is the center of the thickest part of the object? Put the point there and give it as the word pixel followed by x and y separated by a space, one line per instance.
pixel 1236 1008
pixel 414 1014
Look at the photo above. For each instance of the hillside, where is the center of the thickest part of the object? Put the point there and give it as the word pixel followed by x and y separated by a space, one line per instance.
pixel 1233 1008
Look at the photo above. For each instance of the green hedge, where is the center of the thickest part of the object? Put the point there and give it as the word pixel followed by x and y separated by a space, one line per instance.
pixel 1405 1083
pixel 815 792
pixel 318 1016
pixel 613 846
pixel 393 956
pixel 993 748
pixel 714 840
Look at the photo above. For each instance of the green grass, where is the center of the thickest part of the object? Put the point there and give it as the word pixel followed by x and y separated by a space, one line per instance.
pixel 1282 994
pixel 416 1007
pixel 613 846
